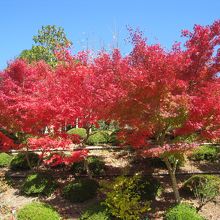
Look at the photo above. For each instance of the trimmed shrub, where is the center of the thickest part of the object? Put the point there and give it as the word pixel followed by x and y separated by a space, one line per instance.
pixel 203 187
pixel 96 166
pixel 96 212
pixel 99 137
pixel 208 153
pixel 81 190
pixel 5 159
pixel 19 162
pixel 96 137
pixel 126 197
pixel 38 184
pixel 37 211
pixel 80 131
pixel 182 212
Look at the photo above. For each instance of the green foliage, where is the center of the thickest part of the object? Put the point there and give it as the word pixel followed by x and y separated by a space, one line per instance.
pixel 38 184
pixel 159 163
pixel 209 153
pixel 80 131
pixel 96 137
pixel 182 212
pixel 37 53
pixel 37 211
pixel 99 137
pixel 126 197
pixel 5 159
pixel 49 39
pixel 78 168
pixel 81 190
pixel 203 187
pixel 96 212
pixel 96 166
pixel 19 162
pixel 111 126
pixel 52 37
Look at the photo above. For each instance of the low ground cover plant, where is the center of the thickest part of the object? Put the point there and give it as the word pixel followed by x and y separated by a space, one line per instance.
pixel 37 211
pixel 182 212
pixel 203 187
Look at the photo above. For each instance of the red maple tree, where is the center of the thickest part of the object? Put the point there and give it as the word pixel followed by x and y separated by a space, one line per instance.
pixel 164 97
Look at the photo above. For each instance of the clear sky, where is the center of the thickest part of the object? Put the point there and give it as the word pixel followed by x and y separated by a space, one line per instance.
pixel 98 23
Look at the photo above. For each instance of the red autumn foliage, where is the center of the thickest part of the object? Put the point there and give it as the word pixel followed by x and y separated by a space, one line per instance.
pixel 6 143
pixel 156 95
pixel 163 95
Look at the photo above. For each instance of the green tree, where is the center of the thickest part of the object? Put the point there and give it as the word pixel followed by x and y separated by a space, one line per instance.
pixel 49 39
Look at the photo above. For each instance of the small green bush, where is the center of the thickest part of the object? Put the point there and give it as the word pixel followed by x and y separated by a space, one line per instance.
pixel 99 137
pixel 203 187
pixel 81 190
pixel 96 212
pixel 19 162
pixel 208 153
pixel 96 166
pixel 37 211
pixel 126 197
pixel 5 159
pixel 96 137
pixel 182 212
pixel 80 131
pixel 38 184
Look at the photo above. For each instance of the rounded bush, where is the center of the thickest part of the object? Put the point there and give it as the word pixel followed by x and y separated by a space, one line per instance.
pixel 182 211
pixel 96 212
pixel 19 162
pixel 96 166
pixel 80 131
pixel 38 184
pixel 99 137
pixel 203 187
pixel 208 153
pixel 81 190
pixel 37 211
pixel 5 159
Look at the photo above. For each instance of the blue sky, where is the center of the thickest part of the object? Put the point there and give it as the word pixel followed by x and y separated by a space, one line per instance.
pixel 99 23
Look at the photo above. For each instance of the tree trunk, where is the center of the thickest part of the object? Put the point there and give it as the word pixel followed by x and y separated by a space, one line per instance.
pixel 172 171
pixel 86 165
pixel 28 160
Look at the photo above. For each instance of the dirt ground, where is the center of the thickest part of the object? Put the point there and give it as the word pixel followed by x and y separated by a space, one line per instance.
pixel 118 163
